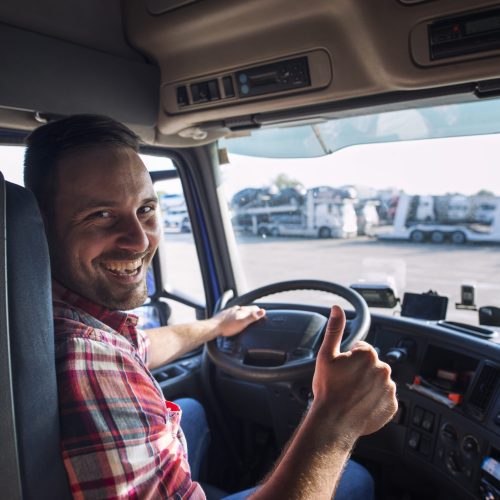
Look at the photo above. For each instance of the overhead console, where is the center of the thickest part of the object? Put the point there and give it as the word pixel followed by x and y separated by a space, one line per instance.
pixel 470 34
pixel 286 76
pixel 227 65
pixel 465 36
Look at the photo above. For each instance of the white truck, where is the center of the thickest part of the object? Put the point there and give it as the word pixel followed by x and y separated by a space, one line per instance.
pixel 321 213
pixel 174 212
pixel 454 218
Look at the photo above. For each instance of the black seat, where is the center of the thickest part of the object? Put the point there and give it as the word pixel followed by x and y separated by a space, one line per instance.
pixel 41 472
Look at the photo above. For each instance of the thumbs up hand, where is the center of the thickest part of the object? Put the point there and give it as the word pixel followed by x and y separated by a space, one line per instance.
pixel 353 391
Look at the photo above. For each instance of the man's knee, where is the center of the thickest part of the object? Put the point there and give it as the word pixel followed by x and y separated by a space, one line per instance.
pixel 191 406
pixel 356 483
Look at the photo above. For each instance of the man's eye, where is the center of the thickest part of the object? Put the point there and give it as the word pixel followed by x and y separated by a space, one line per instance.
pixel 146 209
pixel 101 214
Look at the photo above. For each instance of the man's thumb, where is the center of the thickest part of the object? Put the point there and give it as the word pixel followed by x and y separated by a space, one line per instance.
pixel 333 334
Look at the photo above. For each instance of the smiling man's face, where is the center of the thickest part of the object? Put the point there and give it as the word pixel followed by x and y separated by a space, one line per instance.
pixel 104 228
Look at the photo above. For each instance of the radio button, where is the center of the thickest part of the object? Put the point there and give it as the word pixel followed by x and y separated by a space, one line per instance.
pixel 213 90
pixel 428 421
pixel 227 83
pixel 414 440
pixel 418 415
pixel 182 96
pixel 200 92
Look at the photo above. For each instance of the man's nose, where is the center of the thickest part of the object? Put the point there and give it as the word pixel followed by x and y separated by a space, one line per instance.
pixel 133 236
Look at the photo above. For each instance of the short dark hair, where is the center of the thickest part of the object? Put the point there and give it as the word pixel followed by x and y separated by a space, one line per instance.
pixel 49 143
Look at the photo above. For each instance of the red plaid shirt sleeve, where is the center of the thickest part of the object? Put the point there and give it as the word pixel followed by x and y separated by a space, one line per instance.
pixel 120 438
pixel 143 344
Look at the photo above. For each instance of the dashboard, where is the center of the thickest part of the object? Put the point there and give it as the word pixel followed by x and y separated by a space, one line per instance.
pixel 446 434
pixel 448 423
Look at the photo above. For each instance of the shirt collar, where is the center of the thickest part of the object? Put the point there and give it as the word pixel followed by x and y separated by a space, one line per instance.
pixel 116 320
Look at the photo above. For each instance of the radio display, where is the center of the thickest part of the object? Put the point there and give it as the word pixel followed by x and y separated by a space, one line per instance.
pixel 264 78
pixel 482 25
pixel 464 35
pixel 275 77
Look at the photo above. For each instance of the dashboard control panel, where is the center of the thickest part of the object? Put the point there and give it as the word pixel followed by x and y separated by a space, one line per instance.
pixel 449 385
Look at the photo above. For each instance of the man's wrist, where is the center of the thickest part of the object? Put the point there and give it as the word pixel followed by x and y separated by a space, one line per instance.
pixel 333 429
pixel 213 326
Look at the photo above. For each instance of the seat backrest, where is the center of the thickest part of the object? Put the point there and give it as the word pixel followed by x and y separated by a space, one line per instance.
pixel 31 334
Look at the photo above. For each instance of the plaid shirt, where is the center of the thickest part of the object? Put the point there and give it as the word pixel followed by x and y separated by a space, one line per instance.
pixel 120 438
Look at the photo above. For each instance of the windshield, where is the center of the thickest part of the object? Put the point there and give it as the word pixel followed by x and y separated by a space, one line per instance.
pixel 408 200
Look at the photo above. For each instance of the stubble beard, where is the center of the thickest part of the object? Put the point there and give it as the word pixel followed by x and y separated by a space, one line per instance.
pixel 101 291
pixel 124 298
pixel 124 301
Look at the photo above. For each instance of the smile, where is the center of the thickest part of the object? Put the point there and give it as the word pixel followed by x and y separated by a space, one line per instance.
pixel 123 268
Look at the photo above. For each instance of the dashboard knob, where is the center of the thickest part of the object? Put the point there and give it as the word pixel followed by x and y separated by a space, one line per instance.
pixel 470 445
pixel 395 356
pixel 452 463
pixel 449 433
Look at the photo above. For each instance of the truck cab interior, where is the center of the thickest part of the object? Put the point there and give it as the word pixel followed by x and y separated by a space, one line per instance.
pixel 304 154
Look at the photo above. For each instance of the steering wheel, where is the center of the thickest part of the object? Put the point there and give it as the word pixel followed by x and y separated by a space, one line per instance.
pixel 283 345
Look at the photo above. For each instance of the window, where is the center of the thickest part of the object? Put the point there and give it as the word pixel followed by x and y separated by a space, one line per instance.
pixel 12 160
pixel 180 267
pixel 179 261
pixel 409 199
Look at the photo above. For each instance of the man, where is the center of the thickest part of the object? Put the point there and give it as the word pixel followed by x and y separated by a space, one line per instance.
pixel 120 438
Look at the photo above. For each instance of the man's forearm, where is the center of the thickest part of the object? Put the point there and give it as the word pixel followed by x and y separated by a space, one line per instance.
pixel 311 466
pixel 170 342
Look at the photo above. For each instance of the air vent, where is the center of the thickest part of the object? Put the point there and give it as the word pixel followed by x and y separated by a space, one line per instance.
pixel 483 391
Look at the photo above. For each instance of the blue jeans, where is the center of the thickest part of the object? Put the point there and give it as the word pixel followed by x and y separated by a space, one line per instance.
pixel 195 427
pixel 355 483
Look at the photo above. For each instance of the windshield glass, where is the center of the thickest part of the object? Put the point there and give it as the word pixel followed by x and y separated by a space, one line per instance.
pixel 325 137
pixel 408 200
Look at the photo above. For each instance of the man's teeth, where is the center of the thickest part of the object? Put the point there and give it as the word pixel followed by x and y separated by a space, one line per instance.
pixel 123 266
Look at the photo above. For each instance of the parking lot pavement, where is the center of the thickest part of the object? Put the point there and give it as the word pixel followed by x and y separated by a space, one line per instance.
pixel 416 267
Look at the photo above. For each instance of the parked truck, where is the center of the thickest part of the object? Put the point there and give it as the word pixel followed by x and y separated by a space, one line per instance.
pixel 455 218
pixel 174 213
pixel 321 212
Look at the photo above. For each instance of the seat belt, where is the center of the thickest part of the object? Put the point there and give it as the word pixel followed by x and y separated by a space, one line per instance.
pixel 10 474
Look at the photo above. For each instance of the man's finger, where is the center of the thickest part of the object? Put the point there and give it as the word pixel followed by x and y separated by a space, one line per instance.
pixel 333 335
pixel 248 316
pixel 361 345
pixel 255 315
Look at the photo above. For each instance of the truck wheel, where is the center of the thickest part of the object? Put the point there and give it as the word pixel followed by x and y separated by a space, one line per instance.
pixel 458 237
pixel 324 232
pixel 275 232
pixel 263 231
pixel 417 236
pixel 437 237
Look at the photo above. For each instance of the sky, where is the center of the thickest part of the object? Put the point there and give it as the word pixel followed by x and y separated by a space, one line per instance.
pixel 11 161
pixel 435 166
